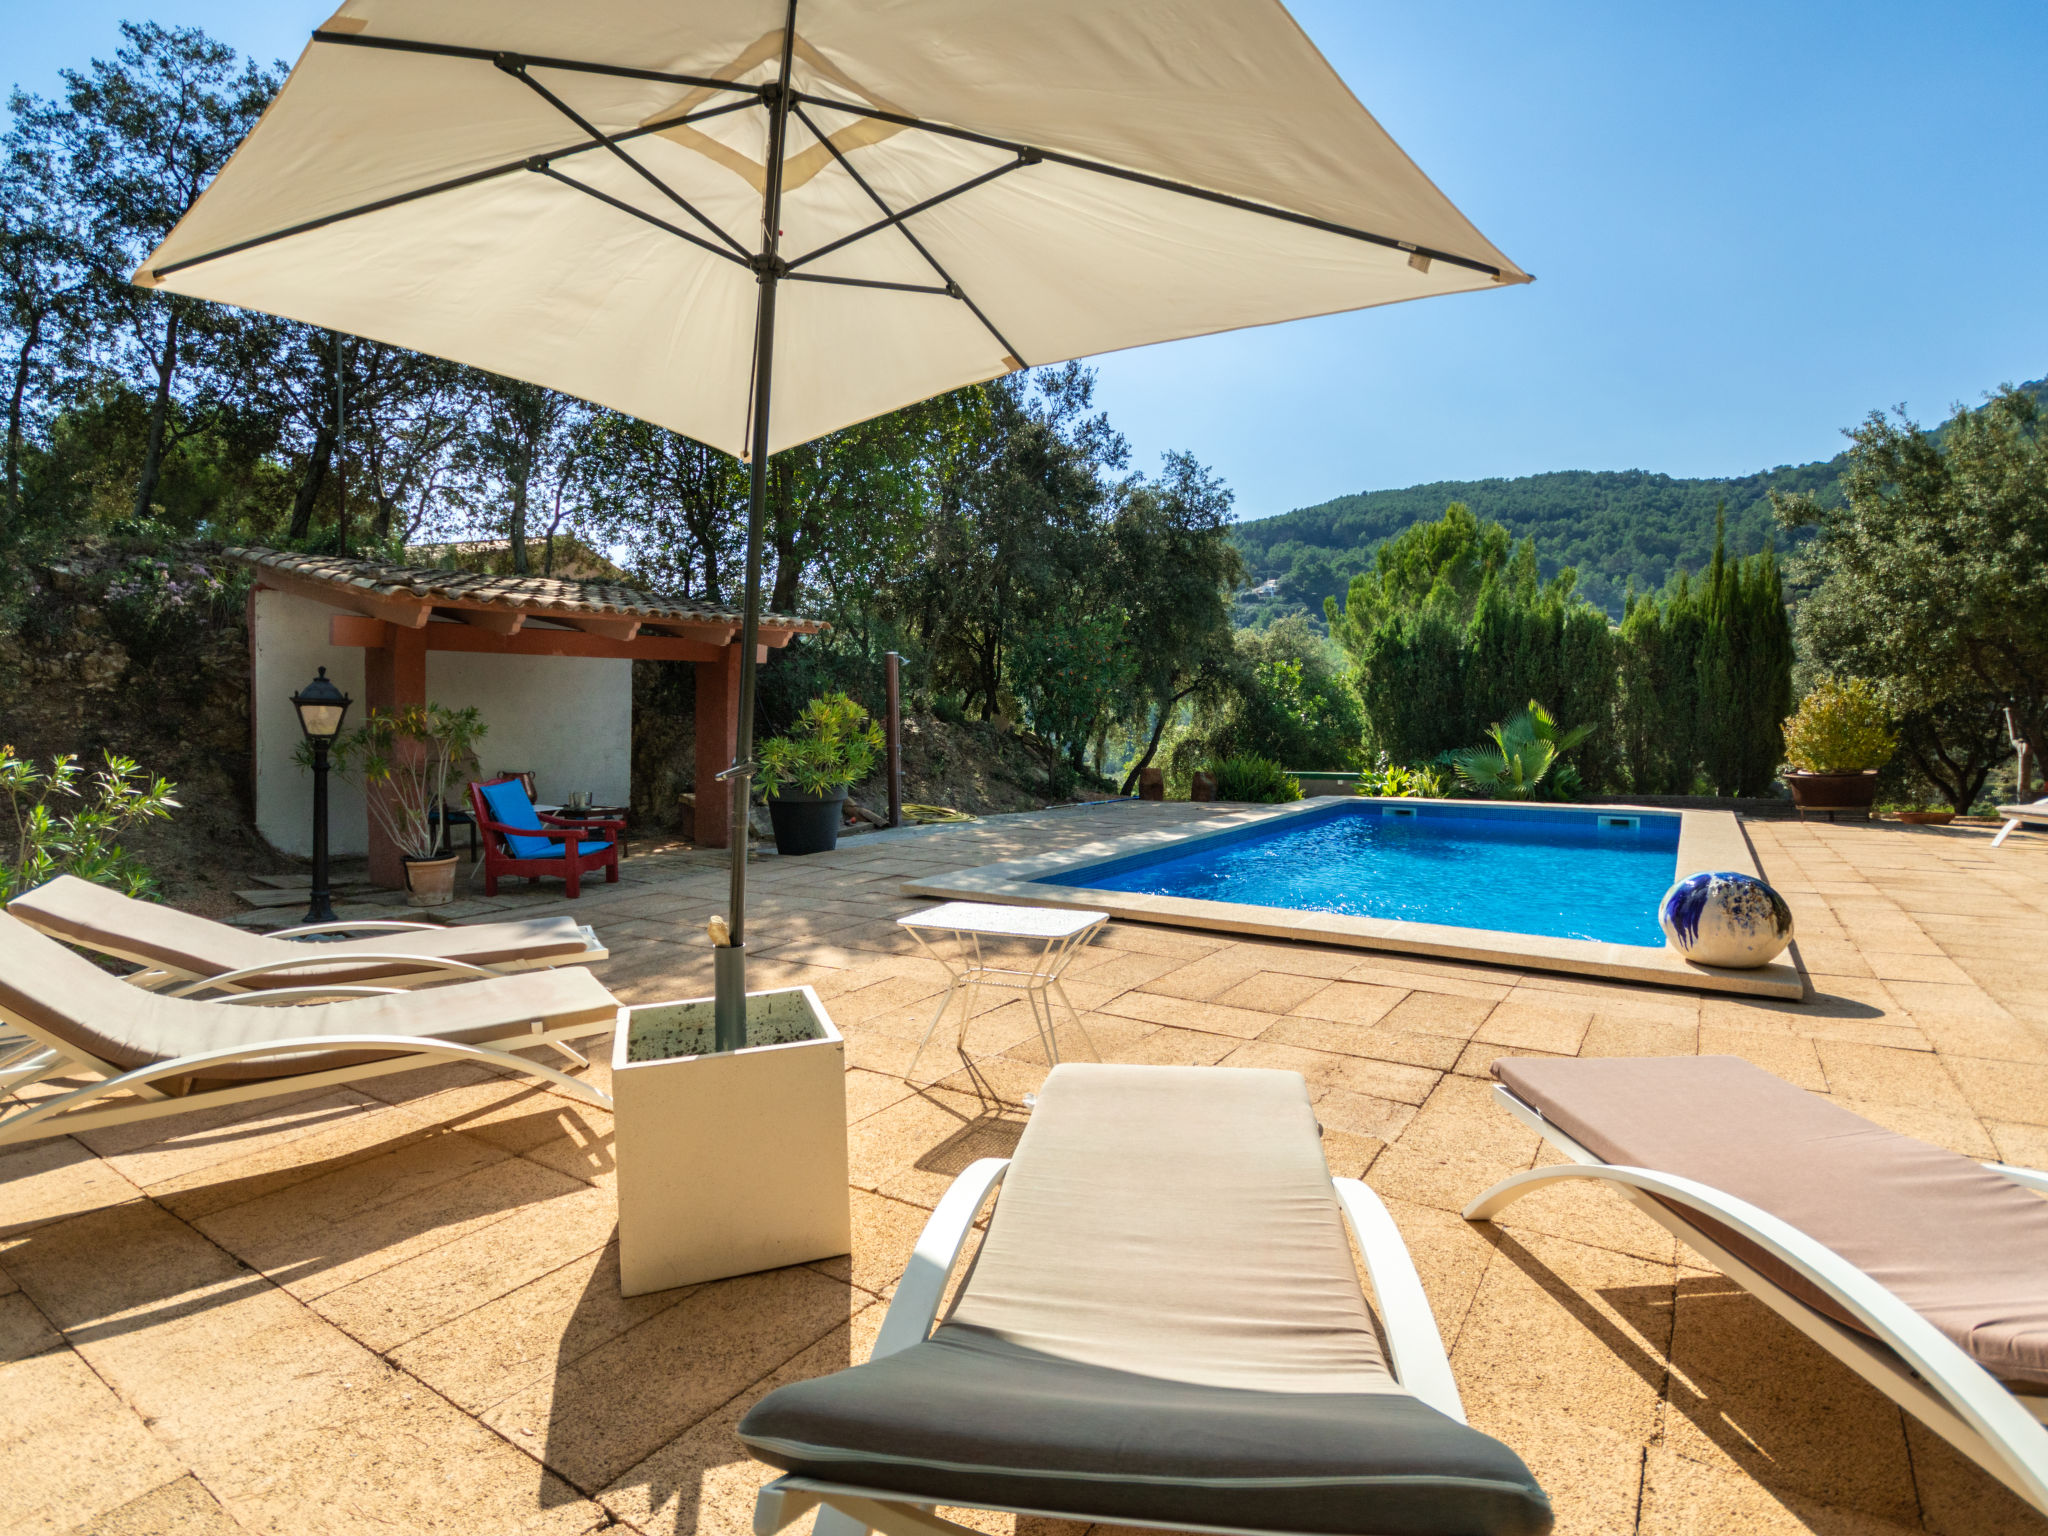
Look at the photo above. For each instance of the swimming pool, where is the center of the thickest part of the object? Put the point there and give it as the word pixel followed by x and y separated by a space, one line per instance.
pixel 1569 888
pixel 1558 872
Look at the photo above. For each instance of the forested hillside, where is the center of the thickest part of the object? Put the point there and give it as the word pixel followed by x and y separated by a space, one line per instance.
pixel 1613 525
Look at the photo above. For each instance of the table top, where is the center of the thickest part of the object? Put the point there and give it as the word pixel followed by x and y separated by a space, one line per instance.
pixel 1003 921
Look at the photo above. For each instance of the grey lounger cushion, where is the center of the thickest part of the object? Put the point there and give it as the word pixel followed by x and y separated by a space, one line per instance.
pixel 1964 1247
pixel 1164 1323
pixel 67 997
pixel 97 918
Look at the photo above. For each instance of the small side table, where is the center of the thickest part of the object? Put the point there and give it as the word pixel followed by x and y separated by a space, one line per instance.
pixel 1060 934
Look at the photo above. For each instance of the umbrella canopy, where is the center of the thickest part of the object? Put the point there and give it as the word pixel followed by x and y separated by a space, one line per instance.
pixel 572 194
pixel 611 198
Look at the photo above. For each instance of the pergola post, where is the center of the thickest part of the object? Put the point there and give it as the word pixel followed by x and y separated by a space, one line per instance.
pixel 394 677
pixel 718 734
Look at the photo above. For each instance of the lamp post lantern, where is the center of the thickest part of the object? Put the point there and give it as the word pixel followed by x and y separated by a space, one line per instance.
pixel 321 707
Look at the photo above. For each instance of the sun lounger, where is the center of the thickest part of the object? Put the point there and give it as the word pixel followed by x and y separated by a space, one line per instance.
pixel 2015 815
pixel 1923 1271
pixel 1163 1326
pixel 151 1055
pixel 183 954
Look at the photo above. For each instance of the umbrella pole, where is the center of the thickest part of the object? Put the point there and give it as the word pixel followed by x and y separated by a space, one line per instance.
pixel 730 993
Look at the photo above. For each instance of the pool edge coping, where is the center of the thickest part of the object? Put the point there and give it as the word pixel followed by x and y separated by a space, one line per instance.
pixel 1707 840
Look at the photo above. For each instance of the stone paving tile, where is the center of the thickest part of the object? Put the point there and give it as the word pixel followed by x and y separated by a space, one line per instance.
pixel 458 1220
pixel 1346 1002
pixel 54 1180
pixel 179 1508
pixel 703 1481
pixel 1438 1052
pixel 1751 1393
pixel 24 1331
pixel 74 1450
pixel 684 1362
pixel 528 1334
pixel 402 1301
pixel 1580 1408
pixel 1886 1075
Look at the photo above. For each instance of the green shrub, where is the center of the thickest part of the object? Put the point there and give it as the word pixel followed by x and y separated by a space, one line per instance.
pixel 1840 727
pixel 833 743
pixel 82 843
pixel 1394 781
pixel 1248 776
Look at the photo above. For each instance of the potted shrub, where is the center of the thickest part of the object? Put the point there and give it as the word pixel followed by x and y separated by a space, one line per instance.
pixel 728 1161
pixel 403 761
pixel 1926 816
pixel 1834 746
pixel 805 774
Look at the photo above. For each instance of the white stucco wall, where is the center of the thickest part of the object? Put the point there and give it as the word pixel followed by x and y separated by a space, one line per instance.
pixel 291 644
pixel 568 719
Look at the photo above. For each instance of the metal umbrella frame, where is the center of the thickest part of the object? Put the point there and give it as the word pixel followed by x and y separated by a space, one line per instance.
pixel 782 101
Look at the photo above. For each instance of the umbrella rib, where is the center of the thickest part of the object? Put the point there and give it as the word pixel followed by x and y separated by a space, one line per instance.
pixel 1010 353
pixel 453 184
pixel 1145 179
pixel 515 66
pixel 639 213
pixel 896 220
pixel 492 55
pixel 873 282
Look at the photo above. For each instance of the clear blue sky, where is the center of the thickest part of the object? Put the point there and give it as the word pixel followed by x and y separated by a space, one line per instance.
pixel 1750 224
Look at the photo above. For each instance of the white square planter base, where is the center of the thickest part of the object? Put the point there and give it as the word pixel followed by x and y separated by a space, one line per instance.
pixel 728 1163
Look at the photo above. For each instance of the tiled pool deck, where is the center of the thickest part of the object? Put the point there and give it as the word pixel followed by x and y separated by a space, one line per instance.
pixel 396 1308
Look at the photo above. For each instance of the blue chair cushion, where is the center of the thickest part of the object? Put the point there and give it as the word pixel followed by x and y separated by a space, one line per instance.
pixel 510 807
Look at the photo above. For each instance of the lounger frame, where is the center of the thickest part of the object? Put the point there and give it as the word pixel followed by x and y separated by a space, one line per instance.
pixel 2017 816
pixel 1414 1348
pixel 119 1098
pixel 1909 1360
pixel 157 975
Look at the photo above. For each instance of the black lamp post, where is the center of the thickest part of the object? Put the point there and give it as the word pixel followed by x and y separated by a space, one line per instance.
pixel 321 707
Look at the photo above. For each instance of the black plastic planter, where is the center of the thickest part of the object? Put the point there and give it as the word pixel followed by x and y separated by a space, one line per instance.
pixel 807 823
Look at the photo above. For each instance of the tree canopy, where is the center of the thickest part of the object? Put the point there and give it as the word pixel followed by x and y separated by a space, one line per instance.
pixel 1931 579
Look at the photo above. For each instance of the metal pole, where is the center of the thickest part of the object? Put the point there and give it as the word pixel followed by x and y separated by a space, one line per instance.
pixel 322 908
pixel 730 996
pixel 891 685
pixel 340 450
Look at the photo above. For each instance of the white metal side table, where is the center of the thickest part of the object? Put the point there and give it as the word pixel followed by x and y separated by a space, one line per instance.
pixel 1060 934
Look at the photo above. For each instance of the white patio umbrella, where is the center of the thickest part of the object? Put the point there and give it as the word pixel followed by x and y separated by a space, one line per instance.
pixel 754 221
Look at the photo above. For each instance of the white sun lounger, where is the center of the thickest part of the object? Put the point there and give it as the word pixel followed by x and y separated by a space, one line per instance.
pixel 1164 1327
pixel 151 1055
pixel 2016 815
pixel 183 954
pixel 1924 1272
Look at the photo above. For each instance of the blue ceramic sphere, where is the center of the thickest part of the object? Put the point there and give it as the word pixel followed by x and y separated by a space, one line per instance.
pixel 1726 919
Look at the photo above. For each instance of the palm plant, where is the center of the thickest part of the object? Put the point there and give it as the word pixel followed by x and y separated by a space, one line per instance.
pixel 1521 755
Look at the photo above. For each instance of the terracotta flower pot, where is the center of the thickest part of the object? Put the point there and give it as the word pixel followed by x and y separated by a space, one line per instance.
pixel 430 882
pixel 1927 818
pixel 1833 793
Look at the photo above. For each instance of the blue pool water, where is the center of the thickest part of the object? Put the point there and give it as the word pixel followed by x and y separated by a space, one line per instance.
pixel 1518 869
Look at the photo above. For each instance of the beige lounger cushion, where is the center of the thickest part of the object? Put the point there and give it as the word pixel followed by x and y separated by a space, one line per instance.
pixel 1964 1247
pixel 1164 1323
pixel 68 998
pixel 145 931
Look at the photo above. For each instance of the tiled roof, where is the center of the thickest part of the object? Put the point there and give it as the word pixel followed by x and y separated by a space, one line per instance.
pixel 538 595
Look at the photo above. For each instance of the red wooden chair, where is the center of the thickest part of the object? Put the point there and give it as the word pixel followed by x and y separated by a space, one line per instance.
pixel 518 840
